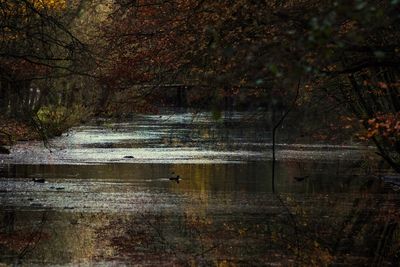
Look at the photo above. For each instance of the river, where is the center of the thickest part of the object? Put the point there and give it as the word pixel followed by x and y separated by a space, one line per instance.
pixel 106 198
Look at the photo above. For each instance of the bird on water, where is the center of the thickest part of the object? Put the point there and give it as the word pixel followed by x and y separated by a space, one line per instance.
pixel 176 179
pixel 39 180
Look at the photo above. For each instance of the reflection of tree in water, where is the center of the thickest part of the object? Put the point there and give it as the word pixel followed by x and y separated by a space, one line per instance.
pixel 49 237
pixel 315 230
pixel 371 227
pixel 344 229
pixel 16 242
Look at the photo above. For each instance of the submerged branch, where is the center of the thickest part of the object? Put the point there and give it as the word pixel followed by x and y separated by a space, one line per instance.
pixel 276 126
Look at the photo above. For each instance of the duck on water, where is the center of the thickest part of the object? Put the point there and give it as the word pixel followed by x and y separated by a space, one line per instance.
pixel 39 180
pixel 176 179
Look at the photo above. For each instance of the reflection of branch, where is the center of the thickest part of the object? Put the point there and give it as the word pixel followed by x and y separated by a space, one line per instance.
pixel 208 250
pixel 162 237
pixel 279 123
pixel 294 222
pixel 174 247
pixel 385 238
pixel 33 240
pixel 360 217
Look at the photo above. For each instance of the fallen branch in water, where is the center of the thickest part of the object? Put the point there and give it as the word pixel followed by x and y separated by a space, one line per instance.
pixel 279 123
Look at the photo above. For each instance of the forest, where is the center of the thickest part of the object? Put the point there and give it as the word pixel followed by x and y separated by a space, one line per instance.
pixel 65 61
pixel 289 89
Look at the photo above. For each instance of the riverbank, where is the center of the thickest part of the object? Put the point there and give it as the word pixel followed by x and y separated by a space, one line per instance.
pixel 48 122
pixel 12 131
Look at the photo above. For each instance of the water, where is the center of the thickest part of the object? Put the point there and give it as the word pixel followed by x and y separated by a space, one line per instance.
pixel 108 200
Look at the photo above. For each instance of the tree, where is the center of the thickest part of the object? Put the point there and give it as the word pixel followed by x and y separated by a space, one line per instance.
pixel 354 51
pixel 39 51
pixel 346 51
pixel 212 46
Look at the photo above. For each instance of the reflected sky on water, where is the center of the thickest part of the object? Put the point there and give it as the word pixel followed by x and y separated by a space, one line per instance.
pixel 176 138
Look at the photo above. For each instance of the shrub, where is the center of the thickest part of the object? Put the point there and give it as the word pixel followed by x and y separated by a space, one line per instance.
pixel 54 120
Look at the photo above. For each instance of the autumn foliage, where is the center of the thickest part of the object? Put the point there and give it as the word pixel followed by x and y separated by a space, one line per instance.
pixel 210 54
pixel 38 50
pixel 386 126
pixel 346 52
